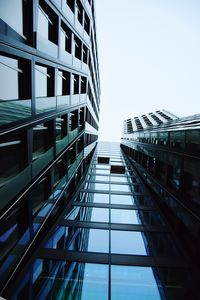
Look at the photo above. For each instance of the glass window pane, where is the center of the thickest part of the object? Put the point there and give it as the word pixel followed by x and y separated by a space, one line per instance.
pixel 101 186
pixel 120 187
pixel 137 283
pixel 11 13
pixel 102 171
pixel 130 242
pixel 100 215
pixel 8 73
pixel 95 282
pixel 124 216
pixel 122 199
pixel 100 198
pixel 59 83
pixel 101 178
pixel 98 240
pixel 40 81
pixel 119 179
pixel 43 24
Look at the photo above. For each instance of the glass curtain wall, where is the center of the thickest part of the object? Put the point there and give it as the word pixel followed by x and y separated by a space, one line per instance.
pixel 112 243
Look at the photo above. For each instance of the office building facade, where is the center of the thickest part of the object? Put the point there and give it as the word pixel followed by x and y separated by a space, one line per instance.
pixel 110 242
pixel 49 114
pixel 166 156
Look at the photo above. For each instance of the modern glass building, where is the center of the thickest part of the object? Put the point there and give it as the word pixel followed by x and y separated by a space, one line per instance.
pixel 166 156
pixel 49 114
pixel 110 242
pixel 78 220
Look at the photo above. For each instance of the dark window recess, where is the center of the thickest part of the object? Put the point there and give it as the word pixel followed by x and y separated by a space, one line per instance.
pixel 79 7
pixel 75 77
pixel 42 138
pixel 73 120
pixel 71 4
pixel 87 24
pixel 80 146
pixel 117 169
pixel 44 81
pixel 71 155
pixel 85 54
pixel 63 83
pixel 17 72
pixel 53 22
pixel 103 160
pixel 59 171
pixel 68 37
pixel 61 127
pixel 191 187
pixel 40 193
pixel 83 85
pixel 82 118
pixel 13 156
pixel 78 47
pixel 174 177
pixel 21 23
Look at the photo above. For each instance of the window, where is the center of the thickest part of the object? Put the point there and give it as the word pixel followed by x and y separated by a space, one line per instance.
pixel 87 24
pixel 100 215
pixel 42 138
pixel 40 193
pixel 18 15
pixel 44 81
pixel 79 11
pixel 73 120
pixel 122 199
pixel 17 72
pixel 61 127
pixel 85 54
pixel 78 47
pixel 13 156
pixel 75 84
pixel 47 23
pixel 131 242
pixel 63 83
pixel 83 85
pixel 66 38
pixel 139 281
pixel 58 171
pixel 71 4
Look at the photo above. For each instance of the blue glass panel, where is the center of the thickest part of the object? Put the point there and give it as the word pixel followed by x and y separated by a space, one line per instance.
pixel 95 282
pixel 120 187
pixel 134 283
pixel 122 199
pixel 98 240
pixel 127 242
pixel 124 216
pixel 101 198
pixel 100 215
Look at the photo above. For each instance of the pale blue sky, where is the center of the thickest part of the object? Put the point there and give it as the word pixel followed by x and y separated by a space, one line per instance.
pixel 149 55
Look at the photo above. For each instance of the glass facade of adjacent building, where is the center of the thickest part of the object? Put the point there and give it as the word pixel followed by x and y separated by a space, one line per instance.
pixel 111 242
pixel 167 158
pixel 49 115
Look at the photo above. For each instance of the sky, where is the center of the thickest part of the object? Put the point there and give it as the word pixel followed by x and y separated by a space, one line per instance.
pixel 149 57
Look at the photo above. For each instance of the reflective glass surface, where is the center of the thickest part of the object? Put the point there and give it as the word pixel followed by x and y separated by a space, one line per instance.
pixel 124 216
pixel 118 179
pixel 122 199
pixel 98 240
pixel 101 198
pixel 95 282
pixel 127 242
pixel 120 187
pixel 134 283
pixel 101 186
pixel 100 215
